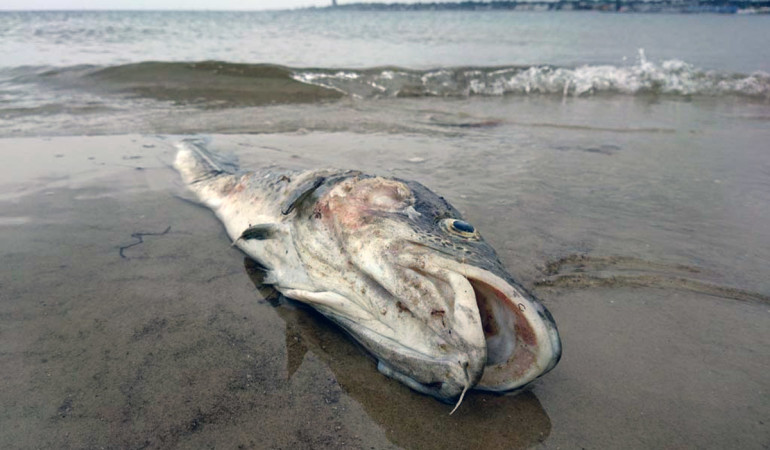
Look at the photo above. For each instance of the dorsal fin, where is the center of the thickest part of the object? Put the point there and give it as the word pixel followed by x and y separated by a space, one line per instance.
pixel 301 193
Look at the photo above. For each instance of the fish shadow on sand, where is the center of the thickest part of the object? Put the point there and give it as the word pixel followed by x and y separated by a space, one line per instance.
pixel 410 420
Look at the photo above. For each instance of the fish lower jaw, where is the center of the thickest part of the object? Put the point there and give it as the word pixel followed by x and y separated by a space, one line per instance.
pixel 446 391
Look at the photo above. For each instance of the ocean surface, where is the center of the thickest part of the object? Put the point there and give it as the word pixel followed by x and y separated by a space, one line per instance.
pixel 619 164
pixel 101 69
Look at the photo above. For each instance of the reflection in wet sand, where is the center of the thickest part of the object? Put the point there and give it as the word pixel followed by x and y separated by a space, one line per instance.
pixel 410 420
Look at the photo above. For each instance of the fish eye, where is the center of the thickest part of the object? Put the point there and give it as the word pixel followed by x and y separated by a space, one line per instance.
pixel 460 228
pixel 464 227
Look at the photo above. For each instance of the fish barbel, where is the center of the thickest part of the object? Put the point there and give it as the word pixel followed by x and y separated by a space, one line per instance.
pixel 390 262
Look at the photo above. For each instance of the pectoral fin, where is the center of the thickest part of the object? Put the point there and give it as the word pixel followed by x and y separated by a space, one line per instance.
pixel 260 232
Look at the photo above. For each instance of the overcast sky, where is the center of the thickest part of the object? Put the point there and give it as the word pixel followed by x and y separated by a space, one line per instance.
pixel 174 4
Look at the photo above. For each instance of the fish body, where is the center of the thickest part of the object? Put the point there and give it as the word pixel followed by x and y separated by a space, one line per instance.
pixel 391 262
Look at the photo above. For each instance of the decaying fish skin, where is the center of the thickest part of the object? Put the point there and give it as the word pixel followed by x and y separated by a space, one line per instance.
pixel 392 263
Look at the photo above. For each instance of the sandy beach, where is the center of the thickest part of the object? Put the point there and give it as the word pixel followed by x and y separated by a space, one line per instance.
pixel 127 321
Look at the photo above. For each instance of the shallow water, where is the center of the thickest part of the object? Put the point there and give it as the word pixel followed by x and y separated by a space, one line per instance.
pixel 630 196
pixel 361 39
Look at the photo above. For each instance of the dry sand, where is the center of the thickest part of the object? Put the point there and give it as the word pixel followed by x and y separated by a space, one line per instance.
pixel 173 343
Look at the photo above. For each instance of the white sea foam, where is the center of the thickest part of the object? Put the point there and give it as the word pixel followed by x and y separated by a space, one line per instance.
pixel 671 77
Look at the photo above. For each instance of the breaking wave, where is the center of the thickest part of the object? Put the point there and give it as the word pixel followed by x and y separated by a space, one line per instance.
pixel 216 84
pixel 671 77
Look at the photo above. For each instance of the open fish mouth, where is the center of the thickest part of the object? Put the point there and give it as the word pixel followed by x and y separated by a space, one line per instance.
pixel 500 341
pixel 520 335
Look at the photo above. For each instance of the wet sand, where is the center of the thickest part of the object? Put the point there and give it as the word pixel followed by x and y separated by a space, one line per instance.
pixel 115 334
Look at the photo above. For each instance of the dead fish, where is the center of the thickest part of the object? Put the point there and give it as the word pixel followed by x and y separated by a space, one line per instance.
pixel 392 263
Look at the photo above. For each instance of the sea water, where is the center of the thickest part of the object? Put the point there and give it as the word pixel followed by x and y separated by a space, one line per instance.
pixel 620 159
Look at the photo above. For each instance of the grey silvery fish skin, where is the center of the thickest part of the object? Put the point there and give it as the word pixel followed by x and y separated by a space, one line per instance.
pixel 391 262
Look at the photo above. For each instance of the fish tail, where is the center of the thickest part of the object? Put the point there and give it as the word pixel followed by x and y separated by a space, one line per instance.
pixel 196 163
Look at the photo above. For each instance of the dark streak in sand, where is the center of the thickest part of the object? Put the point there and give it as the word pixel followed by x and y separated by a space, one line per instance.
pixel 140 239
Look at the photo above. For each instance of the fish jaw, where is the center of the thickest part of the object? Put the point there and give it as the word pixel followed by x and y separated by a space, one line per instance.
pixel 496 339
pixel 522 341
pixel 430 334
pixel 443 375
pixel 491 335
pixel 406 349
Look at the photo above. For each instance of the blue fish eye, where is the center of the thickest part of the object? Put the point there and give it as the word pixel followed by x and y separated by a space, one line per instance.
pixel 459 228
pixel 462 226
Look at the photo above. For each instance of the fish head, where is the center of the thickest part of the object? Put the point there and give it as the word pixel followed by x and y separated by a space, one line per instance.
pixel 419 287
